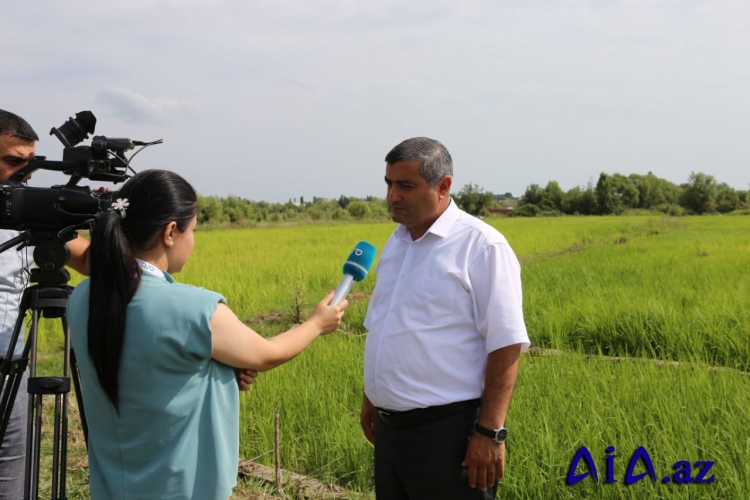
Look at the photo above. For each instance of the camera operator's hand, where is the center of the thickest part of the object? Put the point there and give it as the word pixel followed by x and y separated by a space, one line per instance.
pixel 327 317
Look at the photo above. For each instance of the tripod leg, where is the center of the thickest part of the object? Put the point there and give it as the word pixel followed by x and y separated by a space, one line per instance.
pixel 11 369
pixel 60 452
pixel 33 451
pixel 13 448
pixel 13 412
pixel 34 424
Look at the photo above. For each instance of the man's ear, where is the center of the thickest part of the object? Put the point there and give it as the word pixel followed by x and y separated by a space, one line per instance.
pixel 444 186
pixel 170 230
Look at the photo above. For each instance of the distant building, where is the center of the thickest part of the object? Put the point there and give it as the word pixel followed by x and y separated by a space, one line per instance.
pixel 500 211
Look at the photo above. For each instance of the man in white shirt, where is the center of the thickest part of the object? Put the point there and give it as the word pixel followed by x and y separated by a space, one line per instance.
pixel 446 330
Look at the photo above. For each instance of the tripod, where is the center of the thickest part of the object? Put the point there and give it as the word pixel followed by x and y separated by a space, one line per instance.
pixel 48 298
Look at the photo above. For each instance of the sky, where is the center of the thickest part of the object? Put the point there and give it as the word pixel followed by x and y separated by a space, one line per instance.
pixel 276 100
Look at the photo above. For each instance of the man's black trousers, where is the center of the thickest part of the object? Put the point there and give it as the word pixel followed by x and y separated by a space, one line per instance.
pixel 423 462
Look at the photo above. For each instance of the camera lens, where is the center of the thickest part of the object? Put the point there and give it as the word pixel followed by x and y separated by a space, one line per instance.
pixel 75 129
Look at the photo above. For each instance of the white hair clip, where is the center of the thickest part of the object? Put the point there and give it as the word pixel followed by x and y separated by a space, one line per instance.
pixel 121 205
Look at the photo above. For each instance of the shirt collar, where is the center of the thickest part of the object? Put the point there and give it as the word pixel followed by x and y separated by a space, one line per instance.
pixel 150 269
pixel 441 227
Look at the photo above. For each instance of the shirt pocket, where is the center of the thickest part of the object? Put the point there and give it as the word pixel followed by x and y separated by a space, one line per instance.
pixel 433 302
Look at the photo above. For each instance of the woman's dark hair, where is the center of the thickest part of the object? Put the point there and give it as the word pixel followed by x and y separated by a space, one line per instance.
pixel 155 198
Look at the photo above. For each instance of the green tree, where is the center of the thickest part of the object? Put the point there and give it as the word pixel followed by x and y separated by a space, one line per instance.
pixel 743 197
pixel 323 209
pixel 552 197
pixel 652 190
pixel 699 194
pixel 529 210
pixel 588 204
pixel 727 199
pixel 672 192
pixel 606 202
pixel 474 200
pixel 210 210
pixel 532 196
pixel 235 208
pixel 378 207
pixel 291 207
pixel 359 209
pixel 625 192
pixel 340 214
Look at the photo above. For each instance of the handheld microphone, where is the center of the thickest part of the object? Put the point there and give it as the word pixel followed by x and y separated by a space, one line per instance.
pixel 356 268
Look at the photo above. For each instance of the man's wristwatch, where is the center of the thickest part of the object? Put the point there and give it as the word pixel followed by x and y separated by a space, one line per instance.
pixel 497 435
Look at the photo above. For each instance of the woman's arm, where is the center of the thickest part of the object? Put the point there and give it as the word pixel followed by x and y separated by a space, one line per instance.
pixel 236 345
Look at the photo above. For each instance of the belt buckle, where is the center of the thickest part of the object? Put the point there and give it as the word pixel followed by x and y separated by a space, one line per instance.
pixel 387 417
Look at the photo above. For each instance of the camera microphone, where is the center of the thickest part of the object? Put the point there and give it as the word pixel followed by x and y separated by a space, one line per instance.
pixel 356 268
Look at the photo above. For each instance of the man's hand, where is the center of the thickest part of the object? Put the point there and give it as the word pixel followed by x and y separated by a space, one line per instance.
pixel 367 417
pixel 245 377
pixel 485 461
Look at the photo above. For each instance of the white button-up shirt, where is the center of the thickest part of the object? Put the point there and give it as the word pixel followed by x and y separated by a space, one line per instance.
pixel 440 305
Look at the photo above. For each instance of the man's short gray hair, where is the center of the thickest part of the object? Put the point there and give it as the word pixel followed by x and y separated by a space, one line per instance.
pixel 435 158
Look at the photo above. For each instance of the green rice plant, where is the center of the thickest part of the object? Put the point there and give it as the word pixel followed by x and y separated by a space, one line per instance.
pixel 563 402
pixel 655 296
pixel 637 287
pixel 318 396
pixel 676 412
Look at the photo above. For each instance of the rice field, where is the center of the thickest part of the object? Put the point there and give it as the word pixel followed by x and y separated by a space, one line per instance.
pixel 638 288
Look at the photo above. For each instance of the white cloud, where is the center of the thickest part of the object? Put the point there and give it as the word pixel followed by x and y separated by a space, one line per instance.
pixel 283 98
pixel 132 107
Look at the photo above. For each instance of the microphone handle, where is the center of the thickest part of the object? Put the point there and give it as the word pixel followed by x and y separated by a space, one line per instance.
pixel 345 286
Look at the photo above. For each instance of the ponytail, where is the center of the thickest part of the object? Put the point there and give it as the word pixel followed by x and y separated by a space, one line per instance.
pixel 114 280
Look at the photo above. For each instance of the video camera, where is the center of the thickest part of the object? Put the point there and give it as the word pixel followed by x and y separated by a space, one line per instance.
pixel 49 217
pixel 58 208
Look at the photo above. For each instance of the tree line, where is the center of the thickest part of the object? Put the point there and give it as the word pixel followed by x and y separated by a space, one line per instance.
pixel 615 194
pixel 239 211
pixel 612 194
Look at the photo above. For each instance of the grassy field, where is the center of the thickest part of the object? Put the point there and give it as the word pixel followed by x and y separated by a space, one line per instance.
pixel 645 288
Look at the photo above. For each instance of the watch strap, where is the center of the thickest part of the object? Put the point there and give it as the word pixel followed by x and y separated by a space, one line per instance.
pixel 497 435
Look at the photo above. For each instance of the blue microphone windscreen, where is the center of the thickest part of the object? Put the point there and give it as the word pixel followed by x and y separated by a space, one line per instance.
pixel 360 260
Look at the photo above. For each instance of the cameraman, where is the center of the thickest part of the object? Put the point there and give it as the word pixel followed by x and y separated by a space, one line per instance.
pixel 17 148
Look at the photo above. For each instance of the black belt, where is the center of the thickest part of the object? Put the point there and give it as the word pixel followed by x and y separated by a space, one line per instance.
pixel 419 416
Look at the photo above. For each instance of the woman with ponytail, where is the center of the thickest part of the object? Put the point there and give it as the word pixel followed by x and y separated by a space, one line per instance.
pixel 158 359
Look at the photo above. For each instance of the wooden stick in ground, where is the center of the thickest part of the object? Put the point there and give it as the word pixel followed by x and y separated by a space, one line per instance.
pixel 277 475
